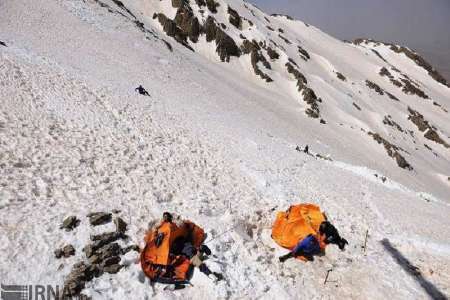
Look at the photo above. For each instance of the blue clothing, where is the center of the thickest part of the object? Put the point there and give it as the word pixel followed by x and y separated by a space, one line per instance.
pixel 308 246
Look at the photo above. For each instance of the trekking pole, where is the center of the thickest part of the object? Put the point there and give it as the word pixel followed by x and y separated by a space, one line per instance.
pixel 365 240
pixel 326 277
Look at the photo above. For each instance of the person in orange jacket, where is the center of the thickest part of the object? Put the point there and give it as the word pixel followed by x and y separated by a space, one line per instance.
pixel 314 244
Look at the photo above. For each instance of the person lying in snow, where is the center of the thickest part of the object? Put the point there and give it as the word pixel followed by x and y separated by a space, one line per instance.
pixel 315 244
pixel 185 251
pixel 140 89
pixel 197 257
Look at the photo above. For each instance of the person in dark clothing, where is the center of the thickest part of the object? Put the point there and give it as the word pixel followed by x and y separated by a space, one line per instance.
pixel 315 244
pixel 306 149
pixel 140 89
pixel 197 258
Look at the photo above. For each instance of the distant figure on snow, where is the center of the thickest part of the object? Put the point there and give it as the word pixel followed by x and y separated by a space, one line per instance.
pixel 140 89
pixel 306 149
pixel 315 244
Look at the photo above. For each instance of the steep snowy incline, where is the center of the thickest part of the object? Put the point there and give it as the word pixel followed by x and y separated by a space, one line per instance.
pixel 216 143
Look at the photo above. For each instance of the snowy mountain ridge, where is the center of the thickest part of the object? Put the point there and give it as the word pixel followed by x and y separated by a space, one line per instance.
pixel 233 91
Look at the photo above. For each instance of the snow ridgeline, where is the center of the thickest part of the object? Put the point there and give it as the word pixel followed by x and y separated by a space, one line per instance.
pixel 218 147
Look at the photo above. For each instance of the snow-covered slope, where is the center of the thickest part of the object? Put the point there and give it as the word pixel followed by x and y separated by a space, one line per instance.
pixel 216 143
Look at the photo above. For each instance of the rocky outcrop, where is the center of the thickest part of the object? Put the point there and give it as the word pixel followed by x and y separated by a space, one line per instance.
pixel 65 251
pixel 424 126
pixel 303 53
pixel 256 57
pixel 421 62
pixel 379 90
pixel 225 45
pixel 309 96
pixel 188 23
pixel 272 53
pixel 392 150
pixel 234 18
pixel 99 218
pixel 388 121
pixel 70 223
pixel 103 255
pixel 171 29
pixel 411 89
pixel 285 39
pixel 212 6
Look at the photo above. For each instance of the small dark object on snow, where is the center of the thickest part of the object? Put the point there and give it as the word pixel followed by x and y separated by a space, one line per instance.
pixel 3 44
pixel 70 223
pixel 121 226
pixel 306 149
pixel 65 251
pixel 140 89
pixel 99 218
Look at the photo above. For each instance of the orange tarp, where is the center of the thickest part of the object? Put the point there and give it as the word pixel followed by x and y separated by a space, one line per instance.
pixel 296 223
pixel 153 256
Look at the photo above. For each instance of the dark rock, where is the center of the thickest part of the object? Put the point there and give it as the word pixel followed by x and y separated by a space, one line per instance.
pixel 285 39
pixel 257 56
pixel 250 46
pixel 3 44
pixel 131 248
pixel 270 28
pixel 411 89
pixel 179 3
pixel 340 76
pixel 99 218
pixel 210 29
pixel 113 260
pixel 68 250
pixel 113 269
pixel 121 226
pixel 212 6
pixel 70 223
pixel 272 53
pixel 392 151
pixel 303 53
pixel 388 121
pixel 280 30
pixel 200 3
pixel 77 278
pixel 234 18
pixel 375 87
pixel 188 23
pixel 59 253
pixel 225 46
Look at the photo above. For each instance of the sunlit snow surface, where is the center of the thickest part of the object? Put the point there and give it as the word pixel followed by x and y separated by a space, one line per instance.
pixel 215 144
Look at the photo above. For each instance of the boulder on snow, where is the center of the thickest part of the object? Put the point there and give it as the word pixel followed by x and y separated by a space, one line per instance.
pixel 121 226
pixel 188 23
pixel 212 6
pixel 272 53
pixel 70 223
pixel 65 251
pixel 234 18
pixel 225 46
pixel 3 44
pixel 99 218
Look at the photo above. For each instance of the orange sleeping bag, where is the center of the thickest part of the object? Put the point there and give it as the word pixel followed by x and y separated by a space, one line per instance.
pixel 158 262
pixel 296 223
